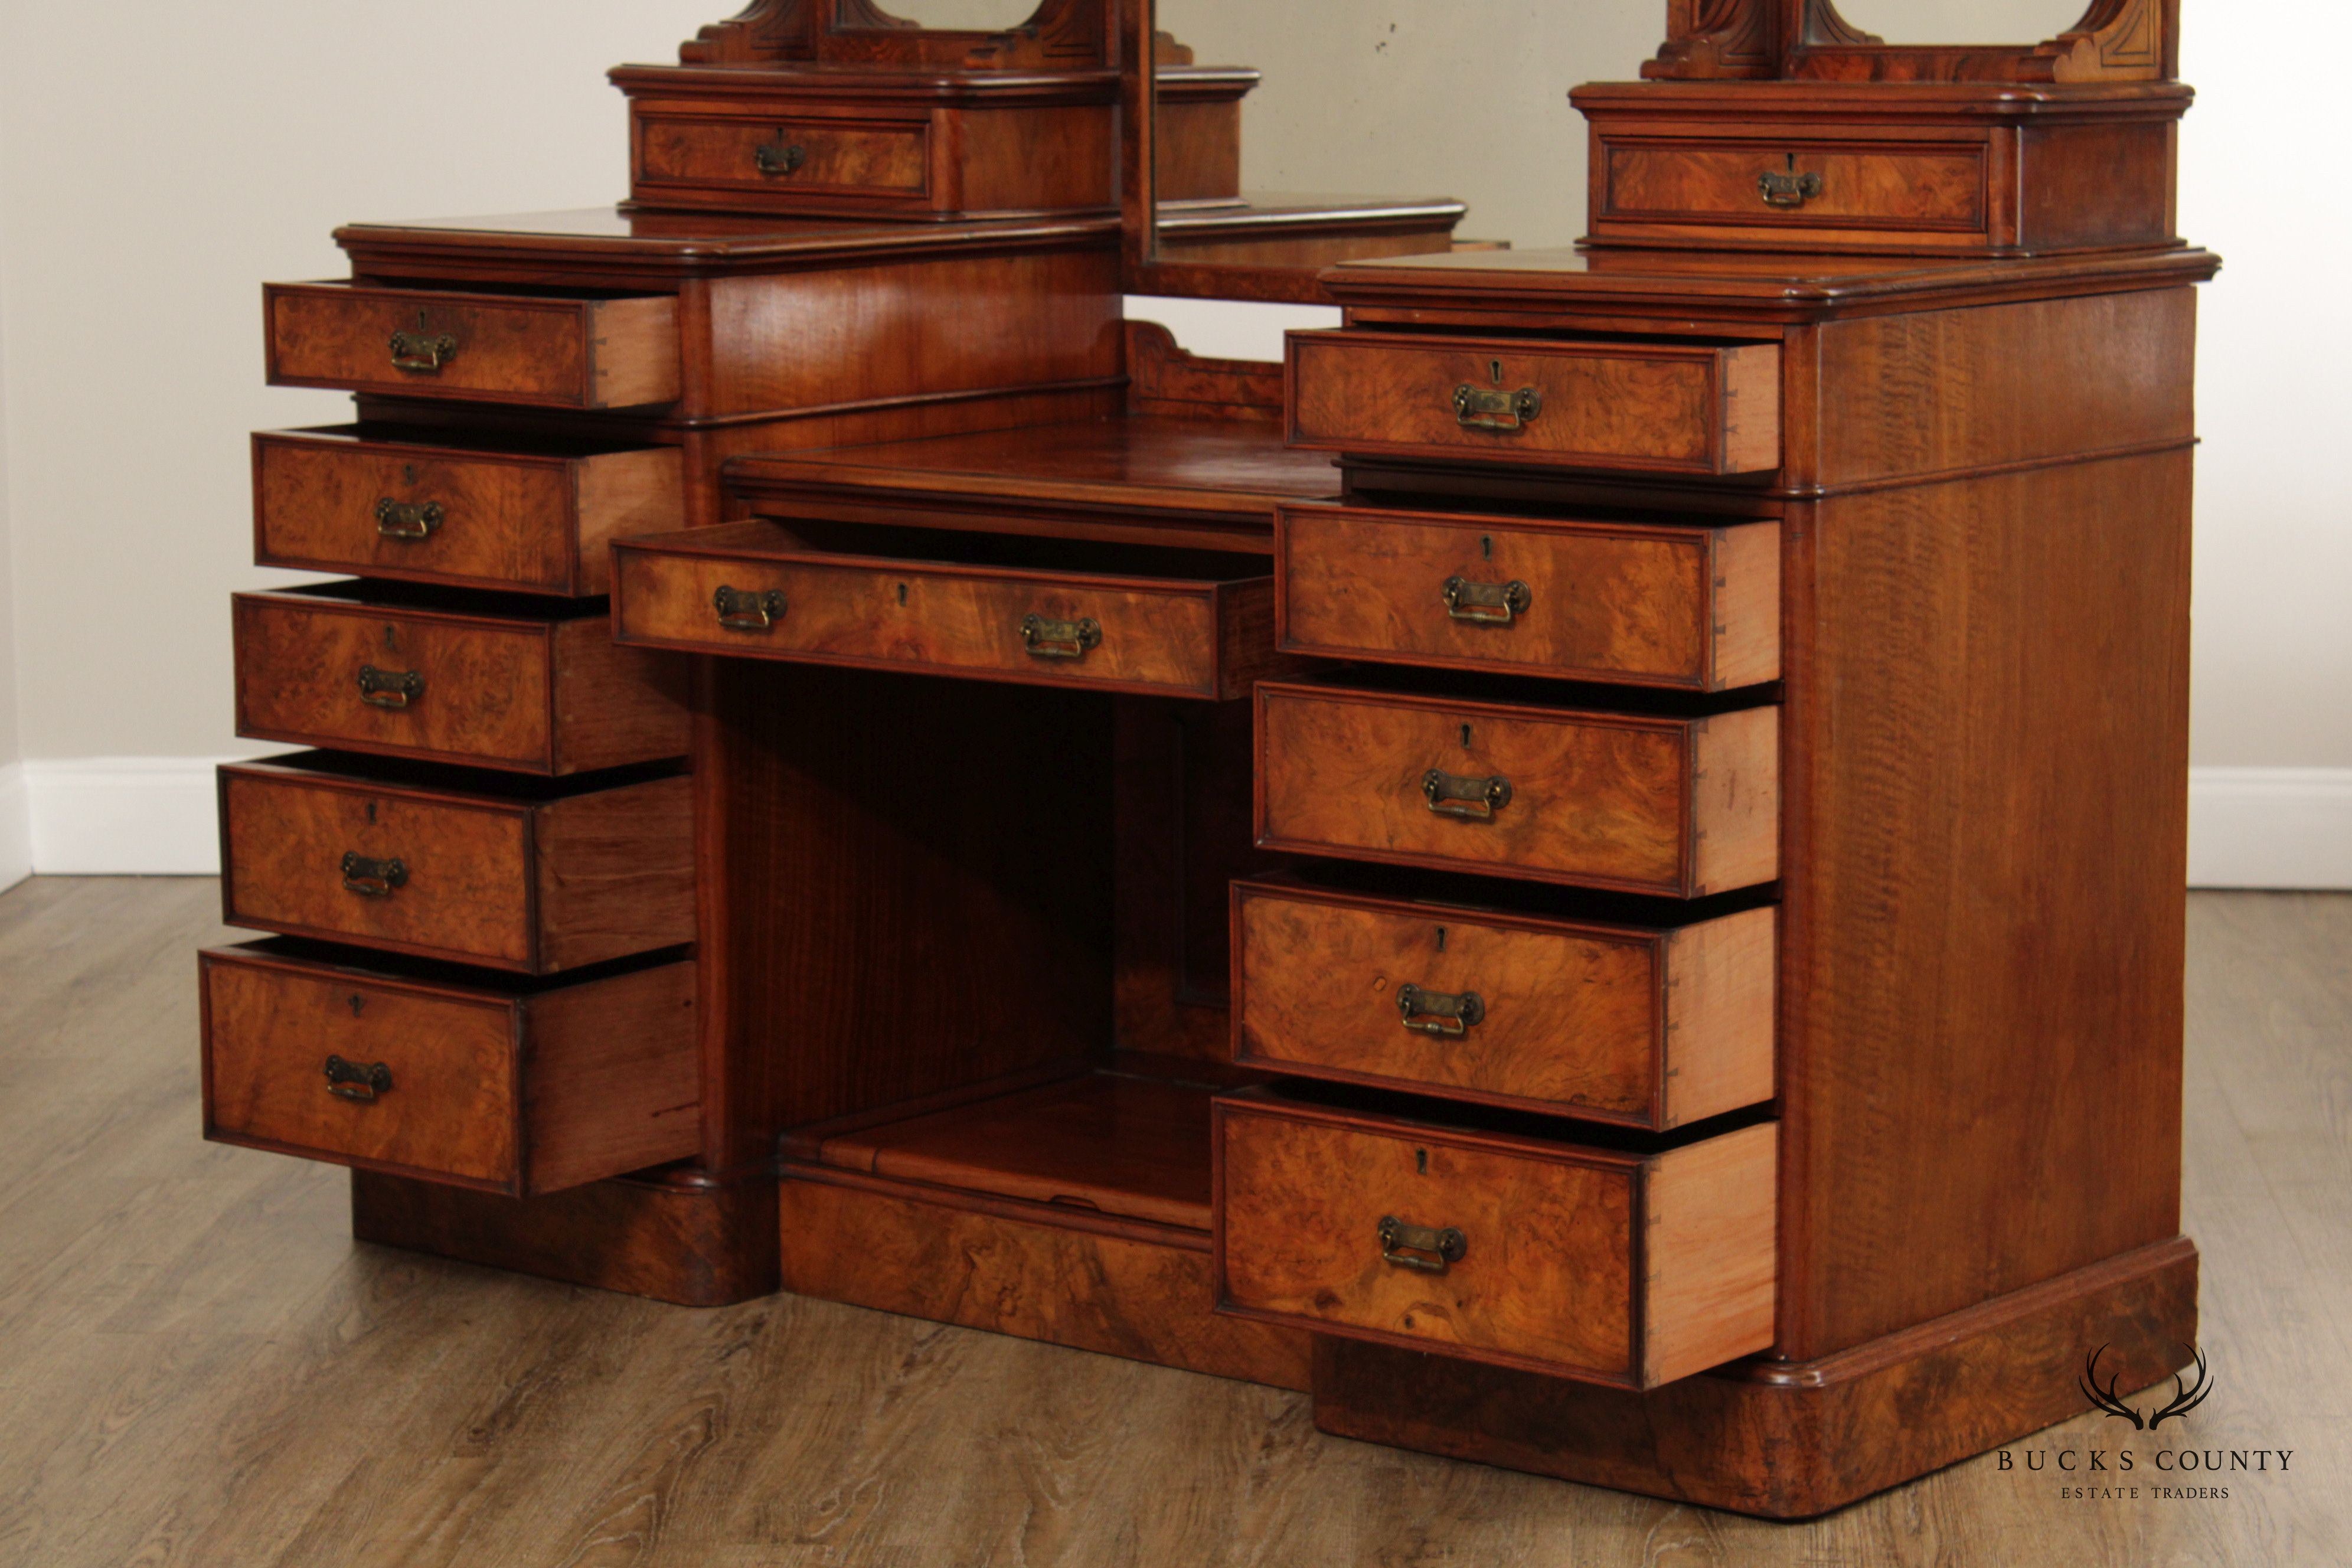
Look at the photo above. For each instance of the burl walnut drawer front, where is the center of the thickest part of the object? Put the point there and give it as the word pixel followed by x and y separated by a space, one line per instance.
pixel 1691 608
pixel 1649 1029
pixel 353 670
pixel 533 522
pixel 1682 808
pixel 521 1091
pixel 1560 1258
pixel 738 590
pixel 1679 408
pixel 788 161
pixel 483 348
pixel 531 880
pixel 1777 184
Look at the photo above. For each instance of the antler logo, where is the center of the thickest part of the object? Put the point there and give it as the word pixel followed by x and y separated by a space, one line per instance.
pixel 2186 1396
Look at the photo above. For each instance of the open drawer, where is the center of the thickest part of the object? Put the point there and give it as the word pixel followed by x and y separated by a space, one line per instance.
pixel 1042 612
pixel 1495 1243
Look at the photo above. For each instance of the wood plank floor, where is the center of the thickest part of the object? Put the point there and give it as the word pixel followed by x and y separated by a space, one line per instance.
pixel 197 1365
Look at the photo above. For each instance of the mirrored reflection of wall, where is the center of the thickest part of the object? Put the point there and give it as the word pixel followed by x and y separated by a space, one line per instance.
pixel 981 16
pixel 1963 21
pixel 1423 98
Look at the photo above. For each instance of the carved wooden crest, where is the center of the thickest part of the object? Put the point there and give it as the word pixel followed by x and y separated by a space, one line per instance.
pixel 1807 40
pixel 1065 35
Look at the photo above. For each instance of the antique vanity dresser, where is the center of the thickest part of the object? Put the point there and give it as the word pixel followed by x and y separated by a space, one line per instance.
pixel 1591 870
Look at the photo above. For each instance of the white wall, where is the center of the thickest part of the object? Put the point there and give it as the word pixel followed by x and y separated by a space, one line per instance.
pixel 16 812
pixel 147 186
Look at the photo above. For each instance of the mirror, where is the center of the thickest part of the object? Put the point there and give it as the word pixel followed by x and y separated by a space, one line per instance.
pixel 1963 21
pixel 963 15
pixel 1299 133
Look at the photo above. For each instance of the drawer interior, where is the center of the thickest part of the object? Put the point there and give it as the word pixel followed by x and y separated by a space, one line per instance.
pixel 853 541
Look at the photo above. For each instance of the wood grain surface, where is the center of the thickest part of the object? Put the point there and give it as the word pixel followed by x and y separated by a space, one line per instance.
pixel 197 1366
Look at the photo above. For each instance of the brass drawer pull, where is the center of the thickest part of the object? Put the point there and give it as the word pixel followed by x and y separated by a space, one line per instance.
pixel 1404 1246
pixel 389 688
pixel 1488 604
pixel 776 159
pixel 745 610
pixel 1788 189
pixel 1060 639
pixel 423 352
pixel 409 521
pixel 373 878
pixel 1476 800
pixel 1440 1012
pixel 1479 408
pixel 362 1081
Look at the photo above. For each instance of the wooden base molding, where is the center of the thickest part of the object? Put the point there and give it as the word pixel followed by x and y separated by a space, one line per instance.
pixel 1789 1439
pixel 679 1237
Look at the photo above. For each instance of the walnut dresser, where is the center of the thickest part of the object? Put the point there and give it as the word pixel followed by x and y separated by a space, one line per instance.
pixel 1591 870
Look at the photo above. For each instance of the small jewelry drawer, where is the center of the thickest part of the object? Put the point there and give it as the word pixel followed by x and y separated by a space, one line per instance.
pixel 1574 1260
pixel 1630 802
pixel 424 511
pixel 537 351
pixel 1641 407
pixel 521 1087
pixel 1642 1025
pixel 1026 611
pixel 788 161
pixel 529 687
pixel 1695 607
pixel 497 869
pixel 1782 184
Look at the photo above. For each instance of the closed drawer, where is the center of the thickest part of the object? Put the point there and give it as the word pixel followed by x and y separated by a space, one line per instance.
pixel 1569 1260
pixel 1778 183
pixel 788 160
pixel 523 1088
pixel 481 348
pixel 425 512
pixel 1166 622
pixel 511 873
pixel 1647 1028
pixel 373 669
pixel 1682 808
pixel 1631 408
pixel 1692 607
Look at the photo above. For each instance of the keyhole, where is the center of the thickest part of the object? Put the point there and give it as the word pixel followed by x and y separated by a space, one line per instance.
pixel 1486 546
pixel 1465 737
pixel 409 473
pixel 1421 1160
pixel 391 636
pixel 358 1003
pixel 370 810
pixel 1495 366
pixel 1441 939
pixel 902 592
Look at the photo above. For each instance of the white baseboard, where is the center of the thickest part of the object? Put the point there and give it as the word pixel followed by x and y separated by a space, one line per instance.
pixel 2248 828
pixel 2270 827
pixel 15 826
pixel 112 816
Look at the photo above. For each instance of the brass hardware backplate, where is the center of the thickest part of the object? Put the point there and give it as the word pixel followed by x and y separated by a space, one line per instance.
pixel 777 158
pixel 389 688
pixel 748 609
pixel 1060 639
pixel 1420 1247
pixel 1488 603
pixel 1787 190
pixel 1480 408
pixel 422 352
pixel 409 521
pixel 373 878
pixel 1477 800
pixel 362 1081
pixel 1426 1011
